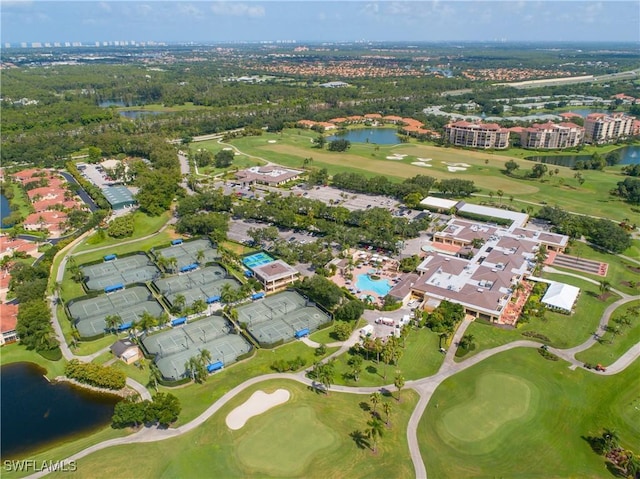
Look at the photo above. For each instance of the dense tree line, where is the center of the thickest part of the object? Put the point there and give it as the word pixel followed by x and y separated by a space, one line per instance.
pixel 601 232
pixel 320 290
pixel 373 226
pixel 95 375
pixel 163 410
pixel 629 189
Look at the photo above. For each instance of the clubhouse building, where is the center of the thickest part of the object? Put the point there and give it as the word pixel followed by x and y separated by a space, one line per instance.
pixel 478 266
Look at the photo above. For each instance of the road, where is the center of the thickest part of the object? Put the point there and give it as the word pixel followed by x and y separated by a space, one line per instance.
pixel 425 387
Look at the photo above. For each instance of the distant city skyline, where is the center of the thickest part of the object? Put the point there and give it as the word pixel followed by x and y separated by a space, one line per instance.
pixel 25 21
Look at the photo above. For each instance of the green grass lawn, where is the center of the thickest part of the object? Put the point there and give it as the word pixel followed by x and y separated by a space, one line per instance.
pixel 564 331
pixel 633 251
pixel 421 357
pixel 16 353
pixel 144 225
pixel 308 436
pixel 518 415
pixel 485 169
pixel 195 398
pixel 618 273
pixel 323 336
pixel 606 353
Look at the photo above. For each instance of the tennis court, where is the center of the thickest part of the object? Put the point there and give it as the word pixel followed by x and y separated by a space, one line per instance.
pixel 89 314
pixel 199 284
pixel 187 253
pixel 257 259
pixel 172 349
pixel 280 316
pixel 137 268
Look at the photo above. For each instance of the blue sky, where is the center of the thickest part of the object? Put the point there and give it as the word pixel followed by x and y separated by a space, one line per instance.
pixel 413 21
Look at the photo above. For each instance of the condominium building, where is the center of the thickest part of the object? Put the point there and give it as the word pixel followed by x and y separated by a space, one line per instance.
pixel 477 135
pixel 603 128
pixel 552 136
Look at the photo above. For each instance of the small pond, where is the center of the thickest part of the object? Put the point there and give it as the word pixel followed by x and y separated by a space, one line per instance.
pixel 629 155
pixel 378 136
pixel 37 413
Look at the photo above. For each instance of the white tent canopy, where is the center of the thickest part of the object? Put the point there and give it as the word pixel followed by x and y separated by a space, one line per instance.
pixel 560 296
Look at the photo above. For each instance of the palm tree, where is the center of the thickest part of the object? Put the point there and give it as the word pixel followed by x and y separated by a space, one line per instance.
pixel 205 357
pixel 173 264
pixel 112 321
pixel 179 301
pixel 154 375
pixel 375 399
pixel 200 256
pixel 605 287
pixel 356 367
pixel 386 407
pixel 375 431
pixel 398 382
pixel 500 193
pixel 387 355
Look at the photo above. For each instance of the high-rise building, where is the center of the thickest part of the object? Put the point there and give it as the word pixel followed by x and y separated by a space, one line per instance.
pixel 477 135
pixel 603 128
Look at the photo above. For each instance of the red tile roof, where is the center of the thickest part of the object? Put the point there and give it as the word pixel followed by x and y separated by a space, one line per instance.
pixel 8 317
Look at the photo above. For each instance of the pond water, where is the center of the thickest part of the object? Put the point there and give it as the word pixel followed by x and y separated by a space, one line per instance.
pixel 586 111
pixel 133 114
pixel 108 103
pixel 378 136
pixel 629 155
pixel 36 413
pixel 5 210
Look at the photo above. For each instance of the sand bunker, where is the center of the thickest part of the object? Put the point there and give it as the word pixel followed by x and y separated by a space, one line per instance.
pixel 424 159
pixel 228 149
pixel 421 163
pixel 396 156
pixel 463 165
pixel 453 169
pixel 271 141
pixel 258 403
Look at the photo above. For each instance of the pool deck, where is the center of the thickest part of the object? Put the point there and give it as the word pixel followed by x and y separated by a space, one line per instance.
pixel 364 263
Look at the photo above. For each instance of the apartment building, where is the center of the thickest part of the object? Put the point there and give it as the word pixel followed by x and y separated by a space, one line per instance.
pixel 552 136
pixel 603 128
pixel 477 135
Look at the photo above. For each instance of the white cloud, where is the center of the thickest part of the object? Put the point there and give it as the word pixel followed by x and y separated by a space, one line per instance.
pixel 105 6
pixel 189 10
pixel 237 9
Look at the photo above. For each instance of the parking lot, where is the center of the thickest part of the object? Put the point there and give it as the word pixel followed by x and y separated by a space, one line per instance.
pixel 238 231
pixel 95 174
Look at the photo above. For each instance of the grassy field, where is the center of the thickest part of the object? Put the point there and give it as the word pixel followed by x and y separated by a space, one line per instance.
pixel 195 398
pixel 564 331
pixel 309 436
pixel 518 415
pixel 239 161
pixel 605 352
pixel 633 251
pixel 144 225
pixel 619 270
pixel 15 353
pixel 484 168
pixel 421 357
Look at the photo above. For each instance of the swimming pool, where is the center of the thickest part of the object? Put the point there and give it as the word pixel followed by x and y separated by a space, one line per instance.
pixel 381 286
pixel 257 259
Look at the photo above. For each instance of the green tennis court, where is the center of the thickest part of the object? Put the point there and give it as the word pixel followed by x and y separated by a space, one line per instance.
pixel 280 317
pixel 187 253
pixel 89 314
pixel 137 268
pixel 200 284
pixel 173 348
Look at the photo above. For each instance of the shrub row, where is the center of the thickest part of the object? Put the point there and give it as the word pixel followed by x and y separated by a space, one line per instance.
pixel 95 375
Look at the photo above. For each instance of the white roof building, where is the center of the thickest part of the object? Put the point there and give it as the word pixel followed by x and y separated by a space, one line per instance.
pixel 560 296
pixel 438 203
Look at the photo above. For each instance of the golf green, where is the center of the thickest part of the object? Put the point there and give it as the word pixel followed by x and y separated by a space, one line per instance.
pixel 284 441
pixel 498 399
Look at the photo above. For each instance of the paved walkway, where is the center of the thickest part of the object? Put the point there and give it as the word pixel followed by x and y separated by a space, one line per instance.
pixel 425 387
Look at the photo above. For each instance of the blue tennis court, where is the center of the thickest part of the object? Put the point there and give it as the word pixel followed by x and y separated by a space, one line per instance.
pixel 257 259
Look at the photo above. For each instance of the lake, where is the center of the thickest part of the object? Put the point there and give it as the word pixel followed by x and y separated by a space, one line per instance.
pixel 378 136
pixel 133 114
pixel 36 413
pixel 5 210
pixel 629 155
